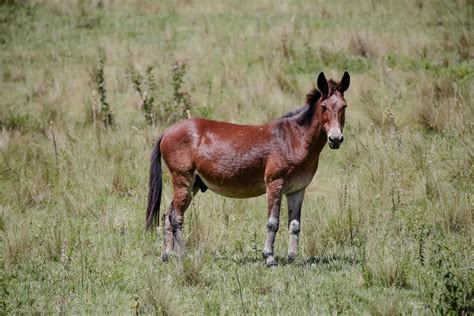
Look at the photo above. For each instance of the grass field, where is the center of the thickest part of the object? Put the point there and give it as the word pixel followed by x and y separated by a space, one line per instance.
pixel 87 86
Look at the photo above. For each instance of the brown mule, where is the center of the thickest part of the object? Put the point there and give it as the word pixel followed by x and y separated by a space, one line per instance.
pixel 243 161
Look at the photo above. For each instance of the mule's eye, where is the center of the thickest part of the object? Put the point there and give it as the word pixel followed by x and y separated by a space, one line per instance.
pixel 324 107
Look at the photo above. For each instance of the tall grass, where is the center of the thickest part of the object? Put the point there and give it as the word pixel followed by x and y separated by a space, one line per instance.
pixel 387 223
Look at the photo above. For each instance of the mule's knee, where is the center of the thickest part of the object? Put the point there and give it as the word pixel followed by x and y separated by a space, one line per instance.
pixel 273 224
pixel 294 228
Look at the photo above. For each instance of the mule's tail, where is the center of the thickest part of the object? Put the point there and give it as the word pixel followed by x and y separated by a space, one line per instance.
pixel 155 187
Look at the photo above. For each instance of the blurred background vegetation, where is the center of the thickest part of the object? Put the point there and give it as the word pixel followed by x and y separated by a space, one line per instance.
pixel 87 86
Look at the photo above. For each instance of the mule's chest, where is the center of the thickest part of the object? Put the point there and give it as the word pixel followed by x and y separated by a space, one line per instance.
pixel 300 177
pixel 298 182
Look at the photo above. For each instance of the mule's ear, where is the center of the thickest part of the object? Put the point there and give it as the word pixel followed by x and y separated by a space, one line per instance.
pixel 323 84
pixel 345 82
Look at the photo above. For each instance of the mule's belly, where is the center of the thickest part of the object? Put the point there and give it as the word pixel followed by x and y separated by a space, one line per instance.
pixel 243 187
pixel 246 183
pixel 238 187
pixel 232 168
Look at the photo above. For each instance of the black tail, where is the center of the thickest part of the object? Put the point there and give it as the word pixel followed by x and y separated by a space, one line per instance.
pixel 155 186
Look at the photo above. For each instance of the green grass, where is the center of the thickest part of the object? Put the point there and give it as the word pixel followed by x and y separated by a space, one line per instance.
pixel 387 224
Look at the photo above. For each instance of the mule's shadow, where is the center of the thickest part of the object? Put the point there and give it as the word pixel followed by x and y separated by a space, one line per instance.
pixel 331 261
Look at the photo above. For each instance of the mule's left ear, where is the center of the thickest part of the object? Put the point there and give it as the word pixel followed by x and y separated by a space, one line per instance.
pixel 323 84
pixel 345 82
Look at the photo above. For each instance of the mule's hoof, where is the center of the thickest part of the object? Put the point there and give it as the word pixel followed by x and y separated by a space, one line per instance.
pixel 291 258
pixel 266 254
pixel 271 262
pixel 167 256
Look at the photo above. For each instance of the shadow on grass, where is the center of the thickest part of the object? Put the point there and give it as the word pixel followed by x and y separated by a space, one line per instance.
pixel 241 260
pixel 329 261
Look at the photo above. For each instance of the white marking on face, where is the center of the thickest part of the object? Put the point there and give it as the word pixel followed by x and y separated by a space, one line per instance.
pixel 335 133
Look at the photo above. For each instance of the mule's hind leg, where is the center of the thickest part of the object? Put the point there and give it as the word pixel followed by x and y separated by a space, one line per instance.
pixel 168 242
pixel 295 200
pixel 183 186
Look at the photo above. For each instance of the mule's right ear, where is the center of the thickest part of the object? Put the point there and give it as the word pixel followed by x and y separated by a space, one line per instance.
pixel 345 82
pixel 323 84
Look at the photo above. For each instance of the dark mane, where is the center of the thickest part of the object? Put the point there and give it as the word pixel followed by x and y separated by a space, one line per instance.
pixel 311 98
pixel 296 112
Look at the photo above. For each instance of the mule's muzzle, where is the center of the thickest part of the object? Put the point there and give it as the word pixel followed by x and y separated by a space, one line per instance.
pixel 335 141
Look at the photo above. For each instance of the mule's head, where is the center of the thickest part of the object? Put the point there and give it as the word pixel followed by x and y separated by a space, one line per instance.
pixel 333 107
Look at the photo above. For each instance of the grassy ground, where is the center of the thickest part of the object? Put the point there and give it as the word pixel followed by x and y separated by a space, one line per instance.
pixel 387 223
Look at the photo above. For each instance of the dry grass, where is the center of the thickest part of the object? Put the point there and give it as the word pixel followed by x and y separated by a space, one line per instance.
pixel 387 223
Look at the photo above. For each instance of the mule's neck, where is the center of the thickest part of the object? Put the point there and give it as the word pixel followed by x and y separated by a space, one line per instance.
pixel 314 136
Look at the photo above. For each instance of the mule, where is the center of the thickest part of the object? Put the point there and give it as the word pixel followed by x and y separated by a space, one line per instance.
pixel 244 161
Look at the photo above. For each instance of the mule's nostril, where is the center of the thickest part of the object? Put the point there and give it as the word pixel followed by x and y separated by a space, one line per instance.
pixel 336 139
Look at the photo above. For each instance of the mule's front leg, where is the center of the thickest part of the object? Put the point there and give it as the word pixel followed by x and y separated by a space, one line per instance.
pixel 295 201
pixel 274 192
